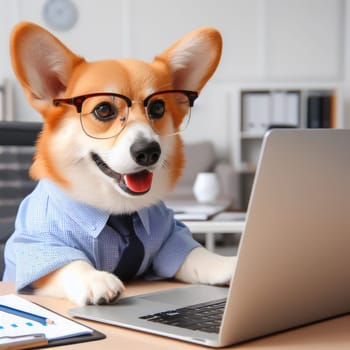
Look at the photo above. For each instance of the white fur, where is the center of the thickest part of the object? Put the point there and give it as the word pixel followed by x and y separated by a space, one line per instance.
pixel 82 284
pixel 187 61
pixel 79 281
pixel 89 185
pixel 45 67
pixel 203 266
pixel 39 45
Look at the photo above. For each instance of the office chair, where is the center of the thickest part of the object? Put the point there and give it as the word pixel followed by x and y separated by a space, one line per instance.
pixel 17 140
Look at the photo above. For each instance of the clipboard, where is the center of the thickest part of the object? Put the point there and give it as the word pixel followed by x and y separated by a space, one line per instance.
pixel 38 341
pixel 65 331
pixel 95 335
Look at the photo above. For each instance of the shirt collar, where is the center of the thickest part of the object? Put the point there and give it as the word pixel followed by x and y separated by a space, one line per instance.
pixel 92 219
pixel 144 217
pixel 87 216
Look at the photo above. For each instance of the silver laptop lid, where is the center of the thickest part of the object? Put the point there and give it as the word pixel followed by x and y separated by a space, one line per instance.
pixel 293 261
pixel 294 257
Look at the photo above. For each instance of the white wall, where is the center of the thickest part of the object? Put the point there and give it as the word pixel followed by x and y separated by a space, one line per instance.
pixel 264 40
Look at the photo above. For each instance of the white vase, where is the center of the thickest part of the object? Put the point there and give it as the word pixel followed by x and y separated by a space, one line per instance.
pixel 206 187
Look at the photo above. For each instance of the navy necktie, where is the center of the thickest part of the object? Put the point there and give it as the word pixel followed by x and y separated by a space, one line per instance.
pixel 133 254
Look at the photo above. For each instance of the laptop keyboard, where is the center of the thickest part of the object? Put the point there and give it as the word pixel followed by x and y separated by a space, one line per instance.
pixel 204 317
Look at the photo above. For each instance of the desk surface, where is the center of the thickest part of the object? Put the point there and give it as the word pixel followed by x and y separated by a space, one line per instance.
pixel 332 334
pixel 211 226
pixel 224 222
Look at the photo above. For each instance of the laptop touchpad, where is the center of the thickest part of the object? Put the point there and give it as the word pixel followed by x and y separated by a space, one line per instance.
pixel 194 294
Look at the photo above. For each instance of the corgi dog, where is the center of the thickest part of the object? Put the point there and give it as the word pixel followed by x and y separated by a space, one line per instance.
pixel 110 145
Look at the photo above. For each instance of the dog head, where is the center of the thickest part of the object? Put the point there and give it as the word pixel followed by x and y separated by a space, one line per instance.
pixel 111 128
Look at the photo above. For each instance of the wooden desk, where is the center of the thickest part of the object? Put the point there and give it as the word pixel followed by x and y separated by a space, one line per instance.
pixel 332 334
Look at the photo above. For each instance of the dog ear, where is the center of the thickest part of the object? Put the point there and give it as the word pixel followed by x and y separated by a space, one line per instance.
pixel 193 58
pixel 42 64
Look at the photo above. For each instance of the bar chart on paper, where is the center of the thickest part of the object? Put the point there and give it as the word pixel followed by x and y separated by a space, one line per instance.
pixel 12 325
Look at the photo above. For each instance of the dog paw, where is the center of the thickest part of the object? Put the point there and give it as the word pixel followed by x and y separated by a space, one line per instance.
pixel 81 283
pixel 221 272
pixel 202 266
pixel 96 287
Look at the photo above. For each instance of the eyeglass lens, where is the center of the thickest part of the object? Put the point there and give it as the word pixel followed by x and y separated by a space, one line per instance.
pixel 105 116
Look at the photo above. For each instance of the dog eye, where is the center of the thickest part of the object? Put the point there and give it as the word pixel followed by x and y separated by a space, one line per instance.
pixel 156 109
pixel 105 111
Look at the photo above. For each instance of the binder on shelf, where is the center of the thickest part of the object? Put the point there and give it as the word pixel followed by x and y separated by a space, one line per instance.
pixel 285 108
pixel 293 108
pixel 333 119
pixel 256 112
pixel 325 112
pixel 2 104
pixel 313 112
pixel 320 111
pixel 260 109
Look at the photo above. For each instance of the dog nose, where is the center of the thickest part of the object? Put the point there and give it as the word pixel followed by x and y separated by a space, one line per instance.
pixel 145 153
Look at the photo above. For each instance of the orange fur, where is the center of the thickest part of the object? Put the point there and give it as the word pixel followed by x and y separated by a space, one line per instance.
pixel 48 70
pixel 127 76
pixel 43 166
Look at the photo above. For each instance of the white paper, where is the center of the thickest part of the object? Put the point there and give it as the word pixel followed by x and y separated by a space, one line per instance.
pixel 11 325
pixel 196 211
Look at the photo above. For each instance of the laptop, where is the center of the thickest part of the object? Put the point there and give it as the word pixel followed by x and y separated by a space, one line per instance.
pixel 293 263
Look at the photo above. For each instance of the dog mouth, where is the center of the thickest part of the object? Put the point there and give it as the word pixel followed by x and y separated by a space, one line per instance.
pixel 137 183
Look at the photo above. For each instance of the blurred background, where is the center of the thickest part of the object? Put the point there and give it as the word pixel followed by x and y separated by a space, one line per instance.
pixel 278 54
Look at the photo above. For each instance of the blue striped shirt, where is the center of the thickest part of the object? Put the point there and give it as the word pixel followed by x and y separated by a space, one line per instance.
pixel 52 230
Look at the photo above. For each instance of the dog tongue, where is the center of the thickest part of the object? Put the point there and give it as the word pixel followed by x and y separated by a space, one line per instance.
pixel 139 182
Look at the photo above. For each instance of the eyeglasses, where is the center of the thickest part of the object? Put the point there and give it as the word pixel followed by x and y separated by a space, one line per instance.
pixel 104 115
